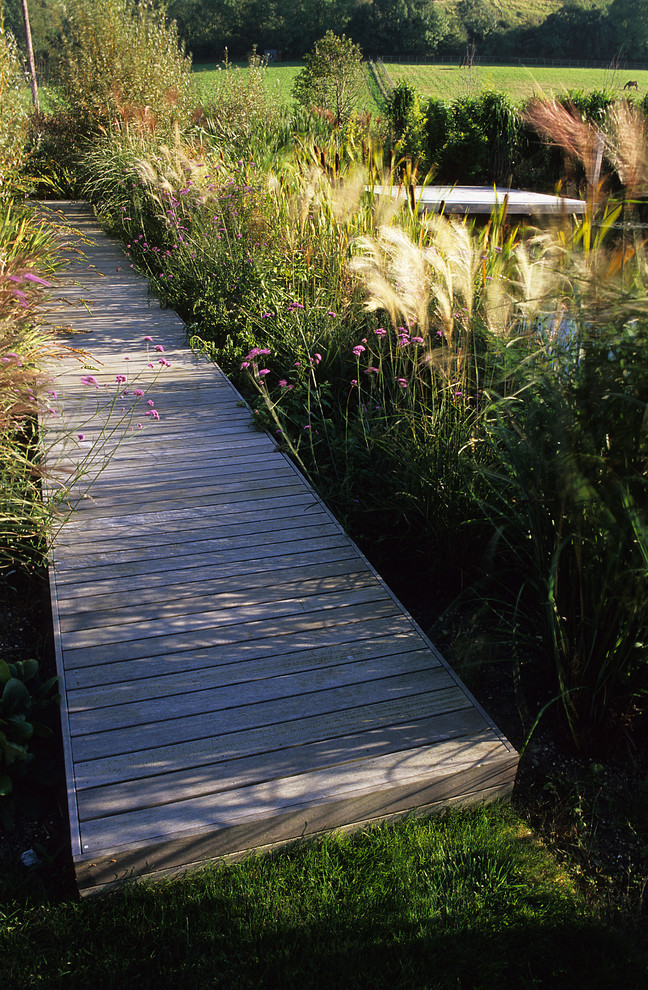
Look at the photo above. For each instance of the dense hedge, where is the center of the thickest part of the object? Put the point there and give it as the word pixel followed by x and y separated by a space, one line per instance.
pixel 483 139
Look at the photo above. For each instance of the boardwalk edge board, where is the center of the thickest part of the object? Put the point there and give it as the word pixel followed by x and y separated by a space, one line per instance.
pixel 235 675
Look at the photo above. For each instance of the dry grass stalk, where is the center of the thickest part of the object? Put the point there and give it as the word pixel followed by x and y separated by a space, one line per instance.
pixel 565 128
pixel 627 143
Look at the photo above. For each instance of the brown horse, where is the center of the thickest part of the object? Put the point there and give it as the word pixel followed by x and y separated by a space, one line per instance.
pixel 631 84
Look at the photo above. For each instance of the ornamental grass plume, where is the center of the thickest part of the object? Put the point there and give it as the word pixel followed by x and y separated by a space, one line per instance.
pixel 627 144
pixel 427 286
pixel 565 128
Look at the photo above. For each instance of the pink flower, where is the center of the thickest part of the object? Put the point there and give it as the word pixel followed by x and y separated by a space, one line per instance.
pixel 149 340
pixel 138 392
pixel 89 380
pixel 159 347
pixel 282 383
pixel 402 382
pixel 358 349
pixel 164 363
pixel 379 332
pixel 150 402
pixel 246 364
pixel 264 371
pixel 331 313
pixel 35 278
pixel 81 436
pixel 120 379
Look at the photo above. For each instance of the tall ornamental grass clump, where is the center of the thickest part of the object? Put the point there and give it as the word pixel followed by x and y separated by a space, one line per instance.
pixel 26 249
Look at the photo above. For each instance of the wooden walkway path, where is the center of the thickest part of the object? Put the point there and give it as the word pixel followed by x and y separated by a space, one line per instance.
pixel 234 673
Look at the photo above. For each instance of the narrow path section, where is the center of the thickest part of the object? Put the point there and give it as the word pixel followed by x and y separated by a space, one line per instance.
pixel 234 673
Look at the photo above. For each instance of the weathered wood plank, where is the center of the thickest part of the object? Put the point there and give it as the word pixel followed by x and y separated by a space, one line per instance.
pixel 282 759
pixel 388 653
pixel 460 785
pixel 246 578
pixel 319 686
pixel 268 714
pixel 350 637
pixel 207 601
pixel 232 629
pixel 185 754
pixel 371 778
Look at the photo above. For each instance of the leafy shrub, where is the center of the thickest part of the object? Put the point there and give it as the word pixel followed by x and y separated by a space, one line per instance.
pixel 120 62
pixel 243 113
pixel 23 702
pixel 407 121
pixel 13 114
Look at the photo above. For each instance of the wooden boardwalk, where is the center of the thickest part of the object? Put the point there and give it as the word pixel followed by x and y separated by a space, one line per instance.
pixel 234 673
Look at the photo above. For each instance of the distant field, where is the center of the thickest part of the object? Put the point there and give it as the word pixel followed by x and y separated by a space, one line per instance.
pixel 450 81
pixel 278 77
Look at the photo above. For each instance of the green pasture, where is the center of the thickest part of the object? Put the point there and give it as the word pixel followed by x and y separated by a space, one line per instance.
pixel 450 81
pixel 278 78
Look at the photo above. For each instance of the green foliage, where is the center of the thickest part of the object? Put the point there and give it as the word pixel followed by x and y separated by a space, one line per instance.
pixel 333 77
pixel 433 362
pixel 13 114
pixel 23 699
pixel 407 121
pixel 26 250
pixel 244 112
pixel 121 62
pixel 478 18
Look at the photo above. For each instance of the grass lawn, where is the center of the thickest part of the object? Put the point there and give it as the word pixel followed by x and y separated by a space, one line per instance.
pixel 279 78
pixel 471 900
pixel 450 81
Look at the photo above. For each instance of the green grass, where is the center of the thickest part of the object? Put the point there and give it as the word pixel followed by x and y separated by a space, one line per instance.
pixel 279 78
pixel 450 81
pixel 469 900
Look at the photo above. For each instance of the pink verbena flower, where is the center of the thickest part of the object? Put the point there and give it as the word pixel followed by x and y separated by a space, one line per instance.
pixel 90 380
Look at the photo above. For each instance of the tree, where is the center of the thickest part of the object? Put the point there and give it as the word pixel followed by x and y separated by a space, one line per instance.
pixel 478 18
pixel 629 19
pixel 333 76
pixel 30 56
